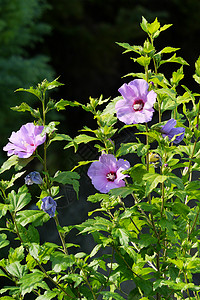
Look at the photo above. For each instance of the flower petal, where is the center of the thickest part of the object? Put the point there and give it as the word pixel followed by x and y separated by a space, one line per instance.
pixel 168 126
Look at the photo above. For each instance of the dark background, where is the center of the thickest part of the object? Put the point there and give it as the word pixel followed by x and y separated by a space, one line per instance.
pixel 75 39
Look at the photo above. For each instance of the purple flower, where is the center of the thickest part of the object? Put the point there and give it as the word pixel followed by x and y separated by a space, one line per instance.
pixel 169 130
pixel 106 173
pixel 137 105
pixel 33 177
pixel 49 206
pixel 25 141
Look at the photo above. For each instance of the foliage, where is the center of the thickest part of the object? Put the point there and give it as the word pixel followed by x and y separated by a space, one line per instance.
pixel 152 243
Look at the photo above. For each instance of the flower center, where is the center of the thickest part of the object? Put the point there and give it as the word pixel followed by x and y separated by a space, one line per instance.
pixel 111 176
pixel 138 105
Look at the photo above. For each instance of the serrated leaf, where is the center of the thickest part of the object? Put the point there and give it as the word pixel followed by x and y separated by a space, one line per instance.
pixel 32 216
pixel 21 199
pixel 68 177
pixel 98 197
pixel 82 138
pixel 3 240
pixel 16 254
pixel 173 179
pixel 121 191
pixel 25 107
pixel 143 60
pixel 169 50
pixel 111 295
pixel 174 59
pixel 47 295
pixel 10 162
pixel 16 269
pixel 127 148
pixel 3 209
pixel 31 90
pixel 137 49
pixel 31 281
pixel 152 180
pixel 61 261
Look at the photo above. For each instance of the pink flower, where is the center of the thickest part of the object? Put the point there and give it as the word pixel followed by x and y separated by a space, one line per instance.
pixel 25 141
pixel 137 104
pixel 106 173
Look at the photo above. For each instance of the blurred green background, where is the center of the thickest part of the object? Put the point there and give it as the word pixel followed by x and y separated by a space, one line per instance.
pixel 76 41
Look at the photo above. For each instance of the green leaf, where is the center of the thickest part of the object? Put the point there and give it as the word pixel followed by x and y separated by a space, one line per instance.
pixel 144 24
pixel 61 261
pixel 169 50
pixel 10 162
pixel 68 177
pixel 95 250
pixel 31 90
pixel 3 241
pixel 31 281
pixel 173 179
pixel 121 191
pixel 153 27
pixel 134 295
pixel 82 163
pixel 16 254
pixel 175 59
pixel 47 295
pixel 152 180
pixel 127 148
pixel 51 127
pixel 61 137
pixel 122 235
pixel 82 138
pixel 21 199
pixel 137 172
pixel 197 67
pixel 3 209
pixel 32 216
pixel 98 197
pixel 137 49
pixel 111 295
pixel 16 269
pixel 25 107
pixel 143 60
pixel 51 85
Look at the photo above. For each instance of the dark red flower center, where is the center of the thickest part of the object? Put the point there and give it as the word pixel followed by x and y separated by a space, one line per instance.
pixel 138 105
pixel 111 176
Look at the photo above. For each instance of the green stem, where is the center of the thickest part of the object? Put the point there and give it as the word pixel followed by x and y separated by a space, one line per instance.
pixel 61 236
pixel 121 256
pixel 38 263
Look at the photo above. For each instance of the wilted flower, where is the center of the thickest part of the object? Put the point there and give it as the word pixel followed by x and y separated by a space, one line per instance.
pixel 169 130
pixel 25 141
pixel 106 173
pixel 33 177
pixel 137 105
pixel 155 159
pixel 49 206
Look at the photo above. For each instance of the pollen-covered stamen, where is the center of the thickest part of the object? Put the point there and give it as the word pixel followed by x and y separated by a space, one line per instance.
pixel 138 105
pixel 111 176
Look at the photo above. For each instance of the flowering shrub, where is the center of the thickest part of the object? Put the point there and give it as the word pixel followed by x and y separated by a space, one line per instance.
pixel 146 228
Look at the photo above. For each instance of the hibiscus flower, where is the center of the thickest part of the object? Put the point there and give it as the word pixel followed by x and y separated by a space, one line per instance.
pixel 137 103
pixel 106 173
pixel 25 141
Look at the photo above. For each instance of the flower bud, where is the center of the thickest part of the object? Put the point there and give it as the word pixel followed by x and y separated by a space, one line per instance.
pixel 33 177
pixel 49 206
